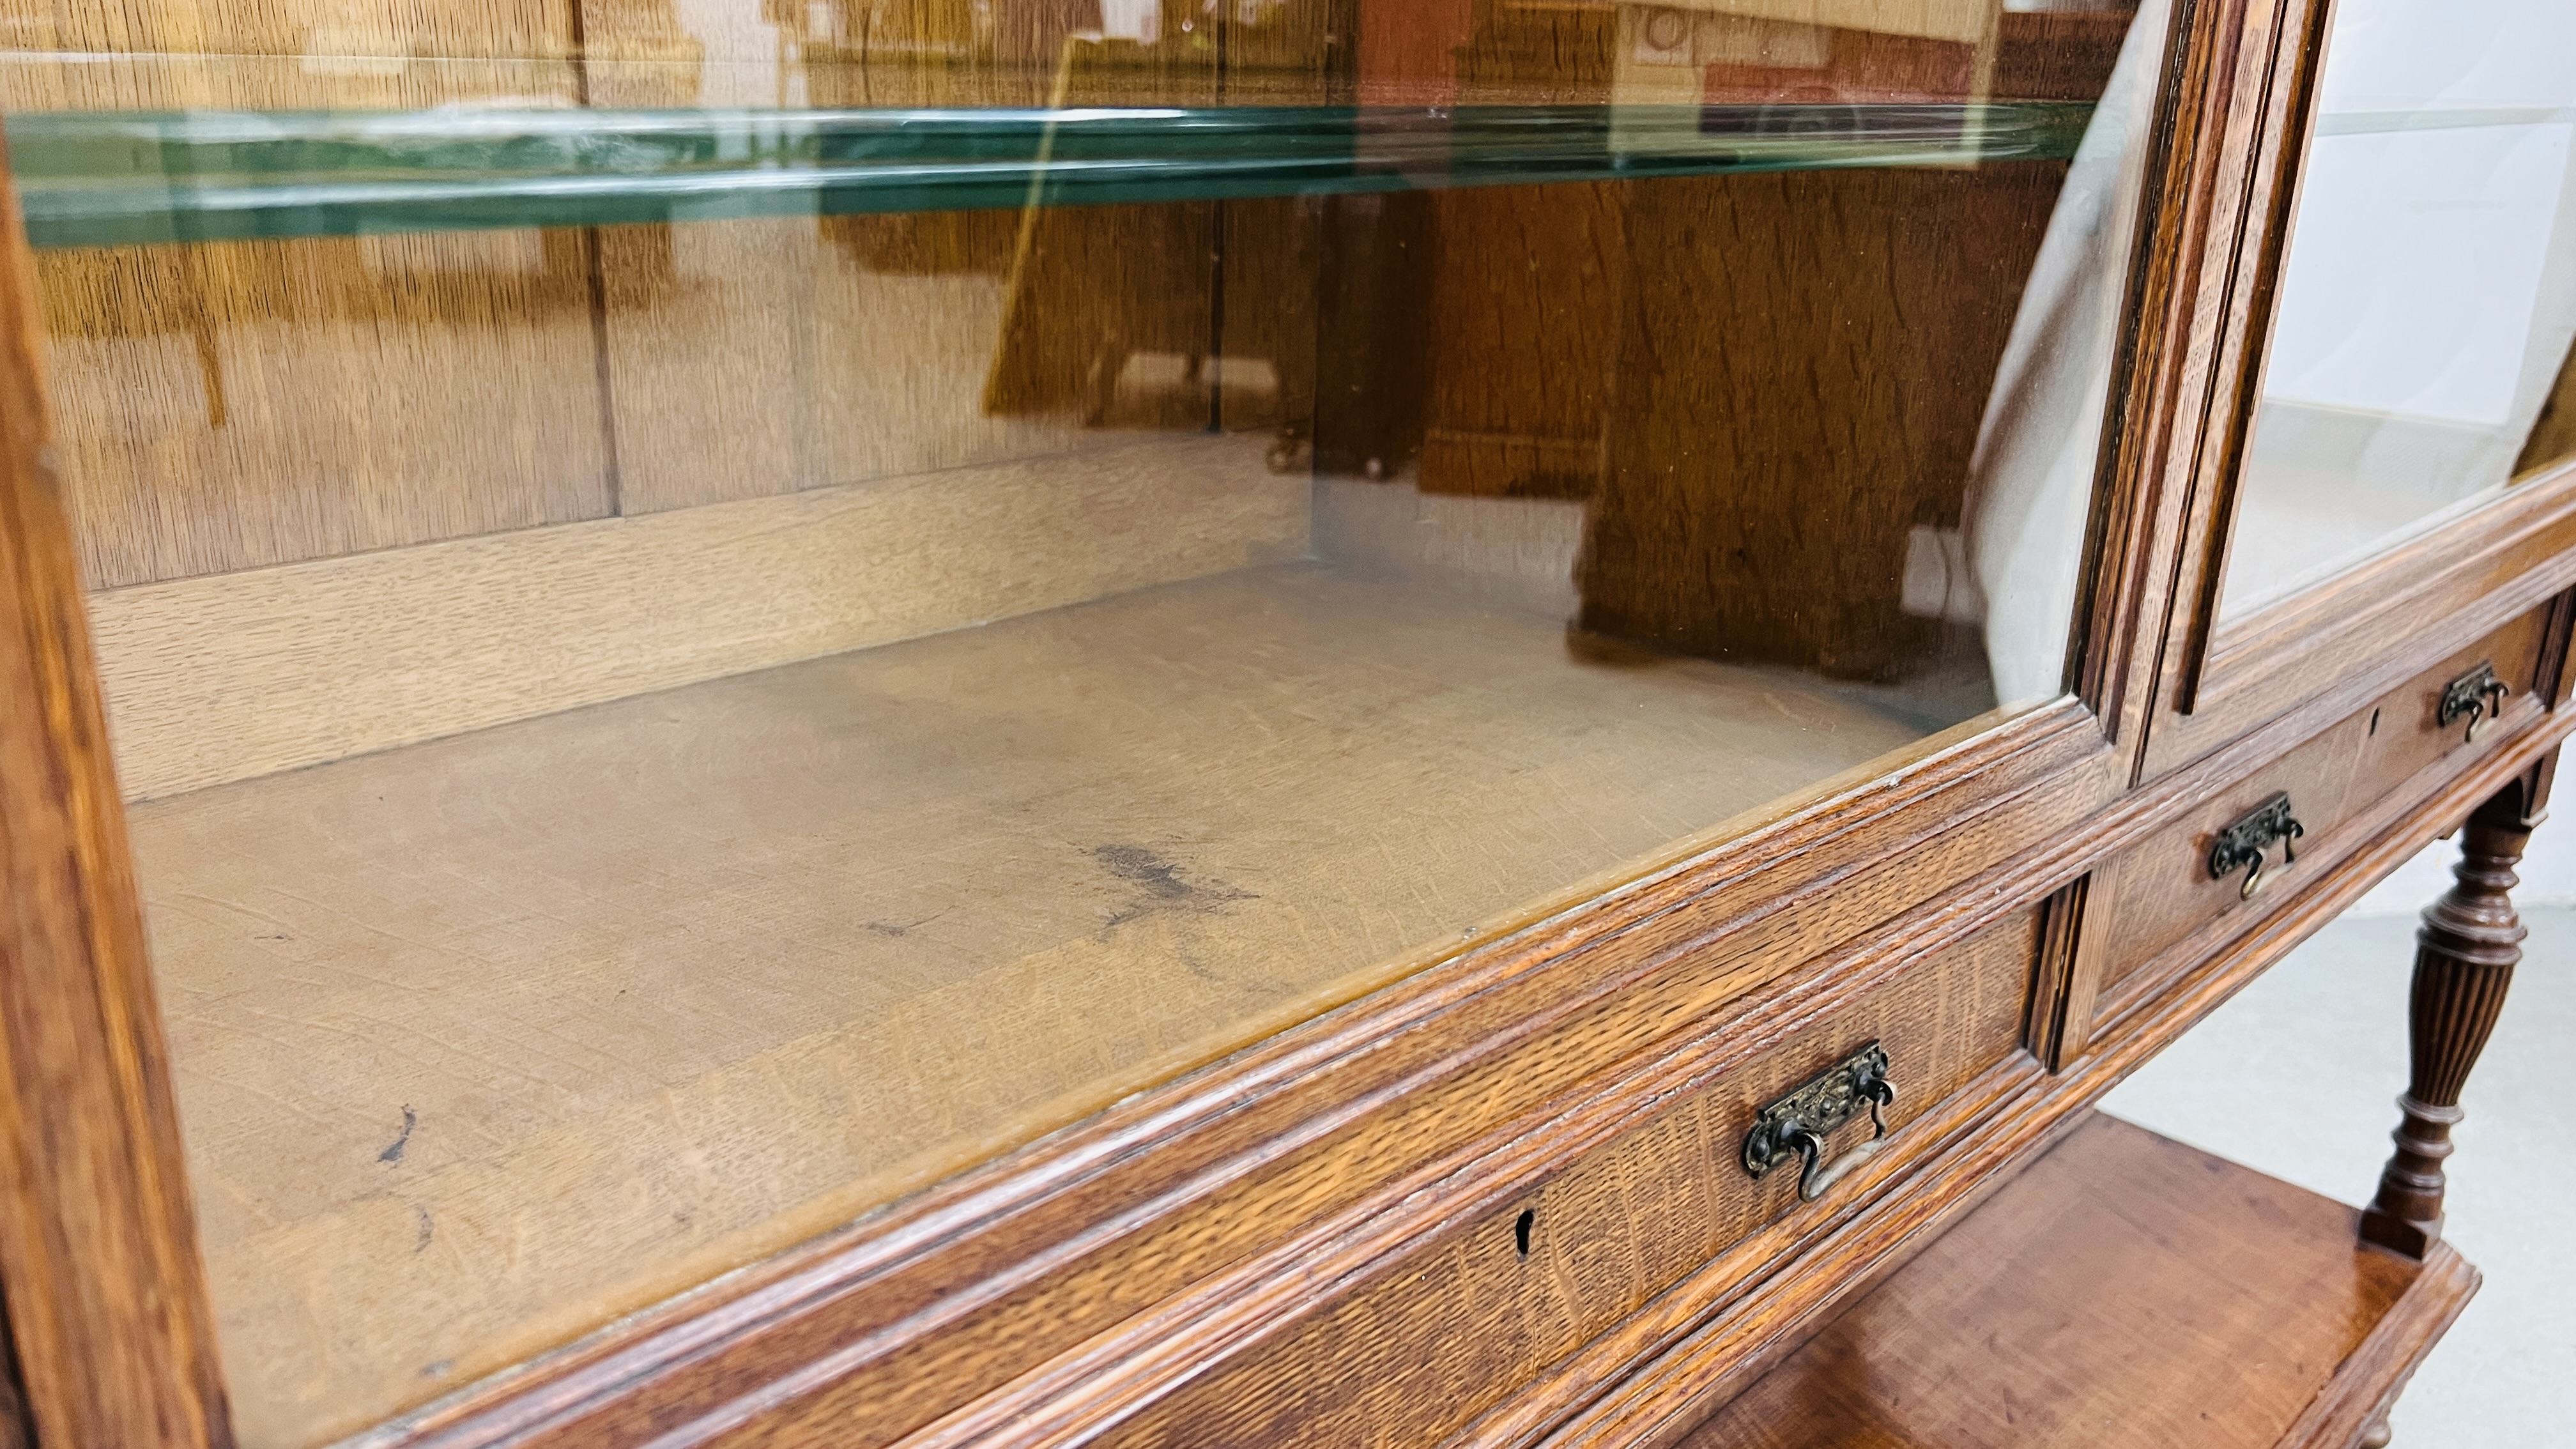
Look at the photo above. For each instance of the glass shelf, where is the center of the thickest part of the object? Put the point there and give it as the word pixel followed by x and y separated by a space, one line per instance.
pixel 2439 118
pixel 90 179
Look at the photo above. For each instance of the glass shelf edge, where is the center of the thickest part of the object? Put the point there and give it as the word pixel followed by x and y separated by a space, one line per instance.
pixel 114 179
pixel 2439 118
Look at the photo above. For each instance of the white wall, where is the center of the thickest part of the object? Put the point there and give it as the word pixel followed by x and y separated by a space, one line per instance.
pixel 2548 874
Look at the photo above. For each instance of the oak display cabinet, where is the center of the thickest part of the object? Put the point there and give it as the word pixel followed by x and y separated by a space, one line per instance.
pixel 1138 722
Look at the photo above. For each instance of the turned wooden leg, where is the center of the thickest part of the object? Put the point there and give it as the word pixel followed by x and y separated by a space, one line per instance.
pixel 2464 960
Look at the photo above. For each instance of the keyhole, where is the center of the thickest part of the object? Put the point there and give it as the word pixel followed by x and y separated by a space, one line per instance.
pixel 1521 1229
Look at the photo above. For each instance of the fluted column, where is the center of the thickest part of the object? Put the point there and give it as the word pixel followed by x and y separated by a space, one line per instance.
pixel 2464 960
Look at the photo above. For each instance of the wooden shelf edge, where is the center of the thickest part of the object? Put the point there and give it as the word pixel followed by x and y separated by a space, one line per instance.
pixel 2370 1380
pixel 2123 1287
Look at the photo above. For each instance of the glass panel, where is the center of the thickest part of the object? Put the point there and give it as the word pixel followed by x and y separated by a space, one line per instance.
pixel 715 609
pixel 2419 362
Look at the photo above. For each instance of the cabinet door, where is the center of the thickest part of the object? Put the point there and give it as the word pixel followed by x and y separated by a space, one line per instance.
pixel 769 637
pixel 2398 478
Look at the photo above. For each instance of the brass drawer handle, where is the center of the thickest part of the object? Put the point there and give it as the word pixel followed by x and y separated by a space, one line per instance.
pixel 2477 694
pixel 1798 1124
pixel 2241 845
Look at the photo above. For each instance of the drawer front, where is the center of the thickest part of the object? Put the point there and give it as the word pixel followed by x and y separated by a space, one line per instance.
pixel 2163 889
pixel 2411 732
pixel 1414 1351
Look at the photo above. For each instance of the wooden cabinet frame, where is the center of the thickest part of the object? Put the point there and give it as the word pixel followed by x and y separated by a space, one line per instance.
pixel 1067 1285
pixel 112 1335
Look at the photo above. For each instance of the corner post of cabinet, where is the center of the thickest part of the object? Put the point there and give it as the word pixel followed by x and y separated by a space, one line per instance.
pixel 2466 950
pixel 108 1324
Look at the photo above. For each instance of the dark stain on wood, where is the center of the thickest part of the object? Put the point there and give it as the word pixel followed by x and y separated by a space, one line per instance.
pixel 402 1139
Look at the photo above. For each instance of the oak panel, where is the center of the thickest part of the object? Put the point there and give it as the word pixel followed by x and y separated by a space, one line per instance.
pixel 2553 434
pixel 747 358
pixel 238 404
pixel 692 976
pixel 2406 733
pixel 239 675
pixel 2123 1291
pixel 753 358
pixel 1432 1338
pixel 323 29
pixel 109 1335
pixel 1654 1379
pixel 1520 375
pixel 1068 1245
pixel 234 405
pixel 2165 891
pixel 1803 362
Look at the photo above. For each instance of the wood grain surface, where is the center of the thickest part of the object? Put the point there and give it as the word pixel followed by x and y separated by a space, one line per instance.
pixel 1803 362
pixel 1428 1340
pixel 2466 949
pixel 2124 1291
pixel 830 1356
pixel 17 1430
pixel 111 1336
pixel 752 358
pixel 1613 1394
pixel 2165 889
pixel 1186 1192
pixel 244 404
pixel 1520 374
pixel 688 977
pixel 1529 54
pixel 2075 939
pixel 761 357
pixel 2369 828
pixel 2350 637
pixel 244 674
pixel 2553 435
pixel 968 1340
pixel 230 405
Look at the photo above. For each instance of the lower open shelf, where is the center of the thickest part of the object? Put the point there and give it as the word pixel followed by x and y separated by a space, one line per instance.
pixel 2124 1290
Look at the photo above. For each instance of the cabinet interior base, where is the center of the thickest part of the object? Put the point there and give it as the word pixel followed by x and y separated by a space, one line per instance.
pixel 482 1041
pixel 2124 1290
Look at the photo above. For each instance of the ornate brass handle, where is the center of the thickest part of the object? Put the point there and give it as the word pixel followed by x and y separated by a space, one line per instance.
pixel 2477 694
pixel 2241 845
pixel 1796 1125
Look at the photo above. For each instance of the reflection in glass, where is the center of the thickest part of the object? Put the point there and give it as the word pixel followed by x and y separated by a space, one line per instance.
pixel 716 610
pixel 2420 358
